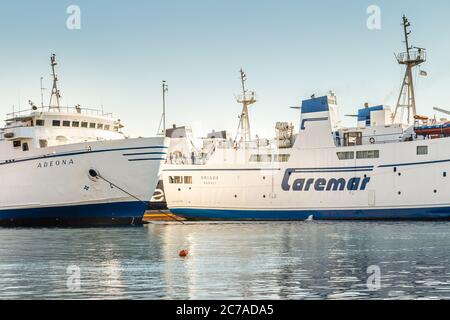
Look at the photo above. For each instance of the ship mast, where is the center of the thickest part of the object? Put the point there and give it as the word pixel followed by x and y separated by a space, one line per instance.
pixel 165 89
pixel 55 91
pixel 246 99
pixel 413 57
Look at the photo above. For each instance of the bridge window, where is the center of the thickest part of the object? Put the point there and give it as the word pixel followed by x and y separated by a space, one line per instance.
pixel 17 144
pixel 92 125
pixel 40 123
pixel 66 123
pixel 100 126
pixel 188 180
pixel 176 180
pixel 346 155
pixel 369 154
pixel 107 126
pixel 25 146
pixel 75 124
pixel 422 150
pixel 84 124
pixel 56 123
pixel 116 128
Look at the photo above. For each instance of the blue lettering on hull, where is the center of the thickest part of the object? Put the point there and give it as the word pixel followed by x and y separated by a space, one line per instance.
pixel 322 184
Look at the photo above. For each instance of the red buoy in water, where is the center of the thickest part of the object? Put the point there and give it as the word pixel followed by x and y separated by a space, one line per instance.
pixel 184 253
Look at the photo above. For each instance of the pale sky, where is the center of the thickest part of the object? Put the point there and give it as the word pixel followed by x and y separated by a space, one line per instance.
pixel 289 50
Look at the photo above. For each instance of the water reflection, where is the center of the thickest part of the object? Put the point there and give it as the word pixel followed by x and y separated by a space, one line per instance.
pixel 229 261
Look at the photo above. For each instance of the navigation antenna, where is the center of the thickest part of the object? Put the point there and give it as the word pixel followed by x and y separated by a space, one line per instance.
pixel 413 57
pixel 165 89
pixel 246 99
pixel 55 92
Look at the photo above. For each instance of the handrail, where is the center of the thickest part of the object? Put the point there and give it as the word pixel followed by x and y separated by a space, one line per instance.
pixel 86 111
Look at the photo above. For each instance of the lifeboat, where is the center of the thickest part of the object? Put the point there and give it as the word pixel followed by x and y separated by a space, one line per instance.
pixel 437 129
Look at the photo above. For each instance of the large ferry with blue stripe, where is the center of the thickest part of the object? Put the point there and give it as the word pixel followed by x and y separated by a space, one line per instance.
pixel 63 166
pixel 393 165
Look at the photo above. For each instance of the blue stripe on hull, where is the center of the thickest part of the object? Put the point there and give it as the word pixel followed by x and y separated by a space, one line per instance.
pixel 85 214
pixel 292 215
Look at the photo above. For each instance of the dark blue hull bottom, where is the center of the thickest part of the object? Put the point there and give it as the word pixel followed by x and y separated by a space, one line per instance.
pixel 442 213
pixel 94 215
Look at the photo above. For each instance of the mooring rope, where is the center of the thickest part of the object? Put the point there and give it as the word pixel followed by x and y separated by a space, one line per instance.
pixel 98 175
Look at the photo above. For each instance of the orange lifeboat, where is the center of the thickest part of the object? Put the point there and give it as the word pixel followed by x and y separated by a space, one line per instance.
pixel 437 129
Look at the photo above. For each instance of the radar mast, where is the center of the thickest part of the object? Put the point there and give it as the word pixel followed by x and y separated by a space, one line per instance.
pixel 56 96
pixel 247 98
pixel 413 57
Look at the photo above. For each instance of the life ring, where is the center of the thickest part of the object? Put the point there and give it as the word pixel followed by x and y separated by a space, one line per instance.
pixel 372 140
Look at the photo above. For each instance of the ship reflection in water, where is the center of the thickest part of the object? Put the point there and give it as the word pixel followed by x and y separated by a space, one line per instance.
pixel 312 260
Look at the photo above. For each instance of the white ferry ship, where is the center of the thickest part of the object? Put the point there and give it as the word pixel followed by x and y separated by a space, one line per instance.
pixel 73 166
pixel 392 165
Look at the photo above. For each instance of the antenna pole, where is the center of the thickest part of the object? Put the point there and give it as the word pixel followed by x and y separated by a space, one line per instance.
pixel 55 92
pixel 42 93
pixel 165 89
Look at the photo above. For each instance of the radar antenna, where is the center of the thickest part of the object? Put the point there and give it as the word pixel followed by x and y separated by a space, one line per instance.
pixel 246 99
pixel 413 57
pixel 55 91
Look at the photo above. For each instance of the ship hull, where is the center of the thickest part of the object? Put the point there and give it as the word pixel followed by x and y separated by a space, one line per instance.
pixel 399 184
pixel 55 187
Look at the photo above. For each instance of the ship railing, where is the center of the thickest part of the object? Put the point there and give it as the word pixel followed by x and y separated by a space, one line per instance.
pixel 419 56
pixel 79 110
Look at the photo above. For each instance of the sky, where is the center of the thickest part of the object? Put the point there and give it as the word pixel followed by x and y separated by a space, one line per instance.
pixel 289 49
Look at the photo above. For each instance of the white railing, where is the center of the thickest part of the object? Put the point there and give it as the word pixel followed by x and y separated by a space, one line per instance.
pixel 85 111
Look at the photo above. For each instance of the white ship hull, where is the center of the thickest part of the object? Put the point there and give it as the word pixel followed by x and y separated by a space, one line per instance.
pixel 52 186
pixel 399 185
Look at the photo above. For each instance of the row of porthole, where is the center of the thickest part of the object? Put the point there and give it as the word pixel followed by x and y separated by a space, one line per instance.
pixel 444 174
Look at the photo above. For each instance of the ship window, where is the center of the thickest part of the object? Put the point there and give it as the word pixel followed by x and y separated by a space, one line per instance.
pixel 92 125
pixel 75 124
pixel 25 146
pixel 176 180
pixel 100 126
pixel 369 154
pixel 422 150
pixel 43 143
pixel 17 144
pixel 56 123
pixel 66 123
pixel 84 124
pixel 40 123
pixel 107 126
pixel 281 157
pixel 188 180
pixel 269 158
pixel 346 155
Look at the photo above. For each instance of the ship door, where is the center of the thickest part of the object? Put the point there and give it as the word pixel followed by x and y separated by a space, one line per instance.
pixel 352 139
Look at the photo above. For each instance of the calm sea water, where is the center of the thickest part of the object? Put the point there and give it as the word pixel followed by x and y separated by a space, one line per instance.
pixel 228 261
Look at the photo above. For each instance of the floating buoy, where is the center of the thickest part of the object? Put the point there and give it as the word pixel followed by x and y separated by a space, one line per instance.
pixel 184 253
